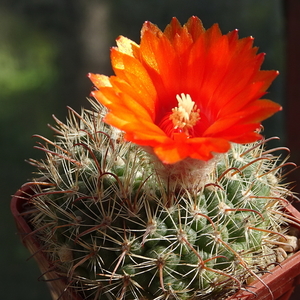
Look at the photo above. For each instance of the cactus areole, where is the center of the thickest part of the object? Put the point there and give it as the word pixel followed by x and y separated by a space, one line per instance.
pixel 172 197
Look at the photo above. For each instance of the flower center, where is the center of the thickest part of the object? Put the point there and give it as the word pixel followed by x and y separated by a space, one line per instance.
pixel 186 115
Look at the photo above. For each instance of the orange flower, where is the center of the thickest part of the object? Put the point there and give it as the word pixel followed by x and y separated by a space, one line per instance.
pixel 186 91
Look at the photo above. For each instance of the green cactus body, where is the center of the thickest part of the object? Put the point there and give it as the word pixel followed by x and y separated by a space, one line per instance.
pixel 116 229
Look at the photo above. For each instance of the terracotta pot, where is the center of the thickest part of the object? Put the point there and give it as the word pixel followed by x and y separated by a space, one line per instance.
pixel 281 281
pixel 56 284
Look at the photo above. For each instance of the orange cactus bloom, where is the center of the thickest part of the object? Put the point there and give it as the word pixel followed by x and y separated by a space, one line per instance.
pixel 186 91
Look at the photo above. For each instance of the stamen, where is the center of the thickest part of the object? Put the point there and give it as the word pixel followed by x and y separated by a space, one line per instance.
pixel 186 115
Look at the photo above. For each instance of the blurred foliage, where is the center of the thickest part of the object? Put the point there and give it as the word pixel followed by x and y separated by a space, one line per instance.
pixel 46 49
pixel 24 68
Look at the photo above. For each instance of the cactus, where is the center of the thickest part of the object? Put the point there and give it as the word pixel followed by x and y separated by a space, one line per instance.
pixel 118 224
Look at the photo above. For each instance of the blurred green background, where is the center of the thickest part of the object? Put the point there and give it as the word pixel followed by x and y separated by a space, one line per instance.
pixel 46 49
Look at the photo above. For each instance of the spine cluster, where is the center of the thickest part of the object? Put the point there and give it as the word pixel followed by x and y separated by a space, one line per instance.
pixel 114 228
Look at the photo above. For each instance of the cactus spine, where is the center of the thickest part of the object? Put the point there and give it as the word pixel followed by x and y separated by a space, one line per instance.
pixel 117 228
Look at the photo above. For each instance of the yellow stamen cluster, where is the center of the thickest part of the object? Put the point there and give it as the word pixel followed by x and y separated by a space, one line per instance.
pixel 186 115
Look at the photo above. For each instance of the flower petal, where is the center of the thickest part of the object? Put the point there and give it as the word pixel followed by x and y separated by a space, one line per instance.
pixel 198 148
